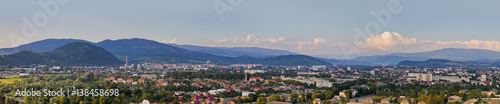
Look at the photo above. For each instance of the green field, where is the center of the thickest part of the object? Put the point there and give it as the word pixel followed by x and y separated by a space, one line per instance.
pixel 10 80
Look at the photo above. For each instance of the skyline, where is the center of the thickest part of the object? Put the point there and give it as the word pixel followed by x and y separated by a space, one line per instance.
pixel 311 28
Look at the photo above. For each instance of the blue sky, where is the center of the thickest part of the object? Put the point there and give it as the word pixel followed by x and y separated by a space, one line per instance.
pixel 316 28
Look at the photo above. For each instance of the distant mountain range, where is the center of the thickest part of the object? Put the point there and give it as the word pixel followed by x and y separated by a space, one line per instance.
pixel 76 53
pixel 445 63
pixel 236 51
pixel 453 54
pixel 142 50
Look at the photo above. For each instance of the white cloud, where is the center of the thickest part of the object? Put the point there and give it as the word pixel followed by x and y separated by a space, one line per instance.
pixel 169 41
pixel 311 45
pixel 250 37
pixel 276 40
pixel 221 41
pixel 172 41
pixel 388 41
pixel 319 41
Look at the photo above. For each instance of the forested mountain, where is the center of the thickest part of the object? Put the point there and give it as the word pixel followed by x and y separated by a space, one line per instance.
pixel 76 53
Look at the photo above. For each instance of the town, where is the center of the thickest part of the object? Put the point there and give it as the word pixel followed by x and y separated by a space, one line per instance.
pixel 254 83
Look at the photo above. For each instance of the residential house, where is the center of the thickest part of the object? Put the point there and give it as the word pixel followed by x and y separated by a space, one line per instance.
pixel 404 101
pixel 317 101
pixel 454 99
pixel 385 101
pixel 368 100
pixel 470 101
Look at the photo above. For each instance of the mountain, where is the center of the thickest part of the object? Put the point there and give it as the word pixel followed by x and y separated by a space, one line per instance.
pixel 384 59
pixel 290 60
pixel 430 62
pixel 444 63
pixel 455 54
pixel 143 50
pixel 236 51
pixel 25 57
pixel 76 53
pixel 447 53
pixel 41 46
pixel 79 53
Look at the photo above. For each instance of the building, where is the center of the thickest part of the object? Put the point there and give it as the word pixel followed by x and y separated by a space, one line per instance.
pixel 491 92
pixel 470 101
pixel 343 93
pixel 277 102
pixel 246 93
pixel 420 77
pixel 317 101
pixel 483 78
pixel 214 92
pixel 368 100
pixel 318 67
pixel 254 71
pixel 307 73
pixel 144 102
pixel 255 79
pixel 148 76
pixel 320 84
pixel 404 101
pixel 385 101
pixel 454 99
pixel 336 99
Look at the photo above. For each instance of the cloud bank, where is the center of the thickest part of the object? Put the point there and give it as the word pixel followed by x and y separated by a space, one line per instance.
pixel 391 41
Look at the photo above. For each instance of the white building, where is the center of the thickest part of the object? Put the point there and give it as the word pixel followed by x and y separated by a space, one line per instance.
pixel 254 71
pixel 214 92
pixel 483 78
pixel 246 93
pixel 318 67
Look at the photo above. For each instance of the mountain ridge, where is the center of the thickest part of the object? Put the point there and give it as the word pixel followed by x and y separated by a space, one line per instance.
pixel 141 50
pixel 76 53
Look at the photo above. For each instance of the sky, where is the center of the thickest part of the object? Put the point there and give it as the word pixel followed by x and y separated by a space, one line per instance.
pixel 340 29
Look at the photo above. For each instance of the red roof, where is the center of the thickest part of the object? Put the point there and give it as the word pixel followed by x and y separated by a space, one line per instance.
pixel 210 99
pixel 111 78
pixel 257 78
pixel 487 82
pixel 197 98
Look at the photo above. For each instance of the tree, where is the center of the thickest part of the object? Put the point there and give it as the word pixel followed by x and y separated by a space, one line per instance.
pixel 309 96
pixel 302 97
pixel 261 100
pixel 217 100
pixel 294 97
pixel 326 102
pixel 282 98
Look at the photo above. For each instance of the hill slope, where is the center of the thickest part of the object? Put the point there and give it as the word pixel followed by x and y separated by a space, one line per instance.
pixel 77 53
pixel 25 57
pixel 41 46
pixel 142 50
pixel 453 54
pixel 236 51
